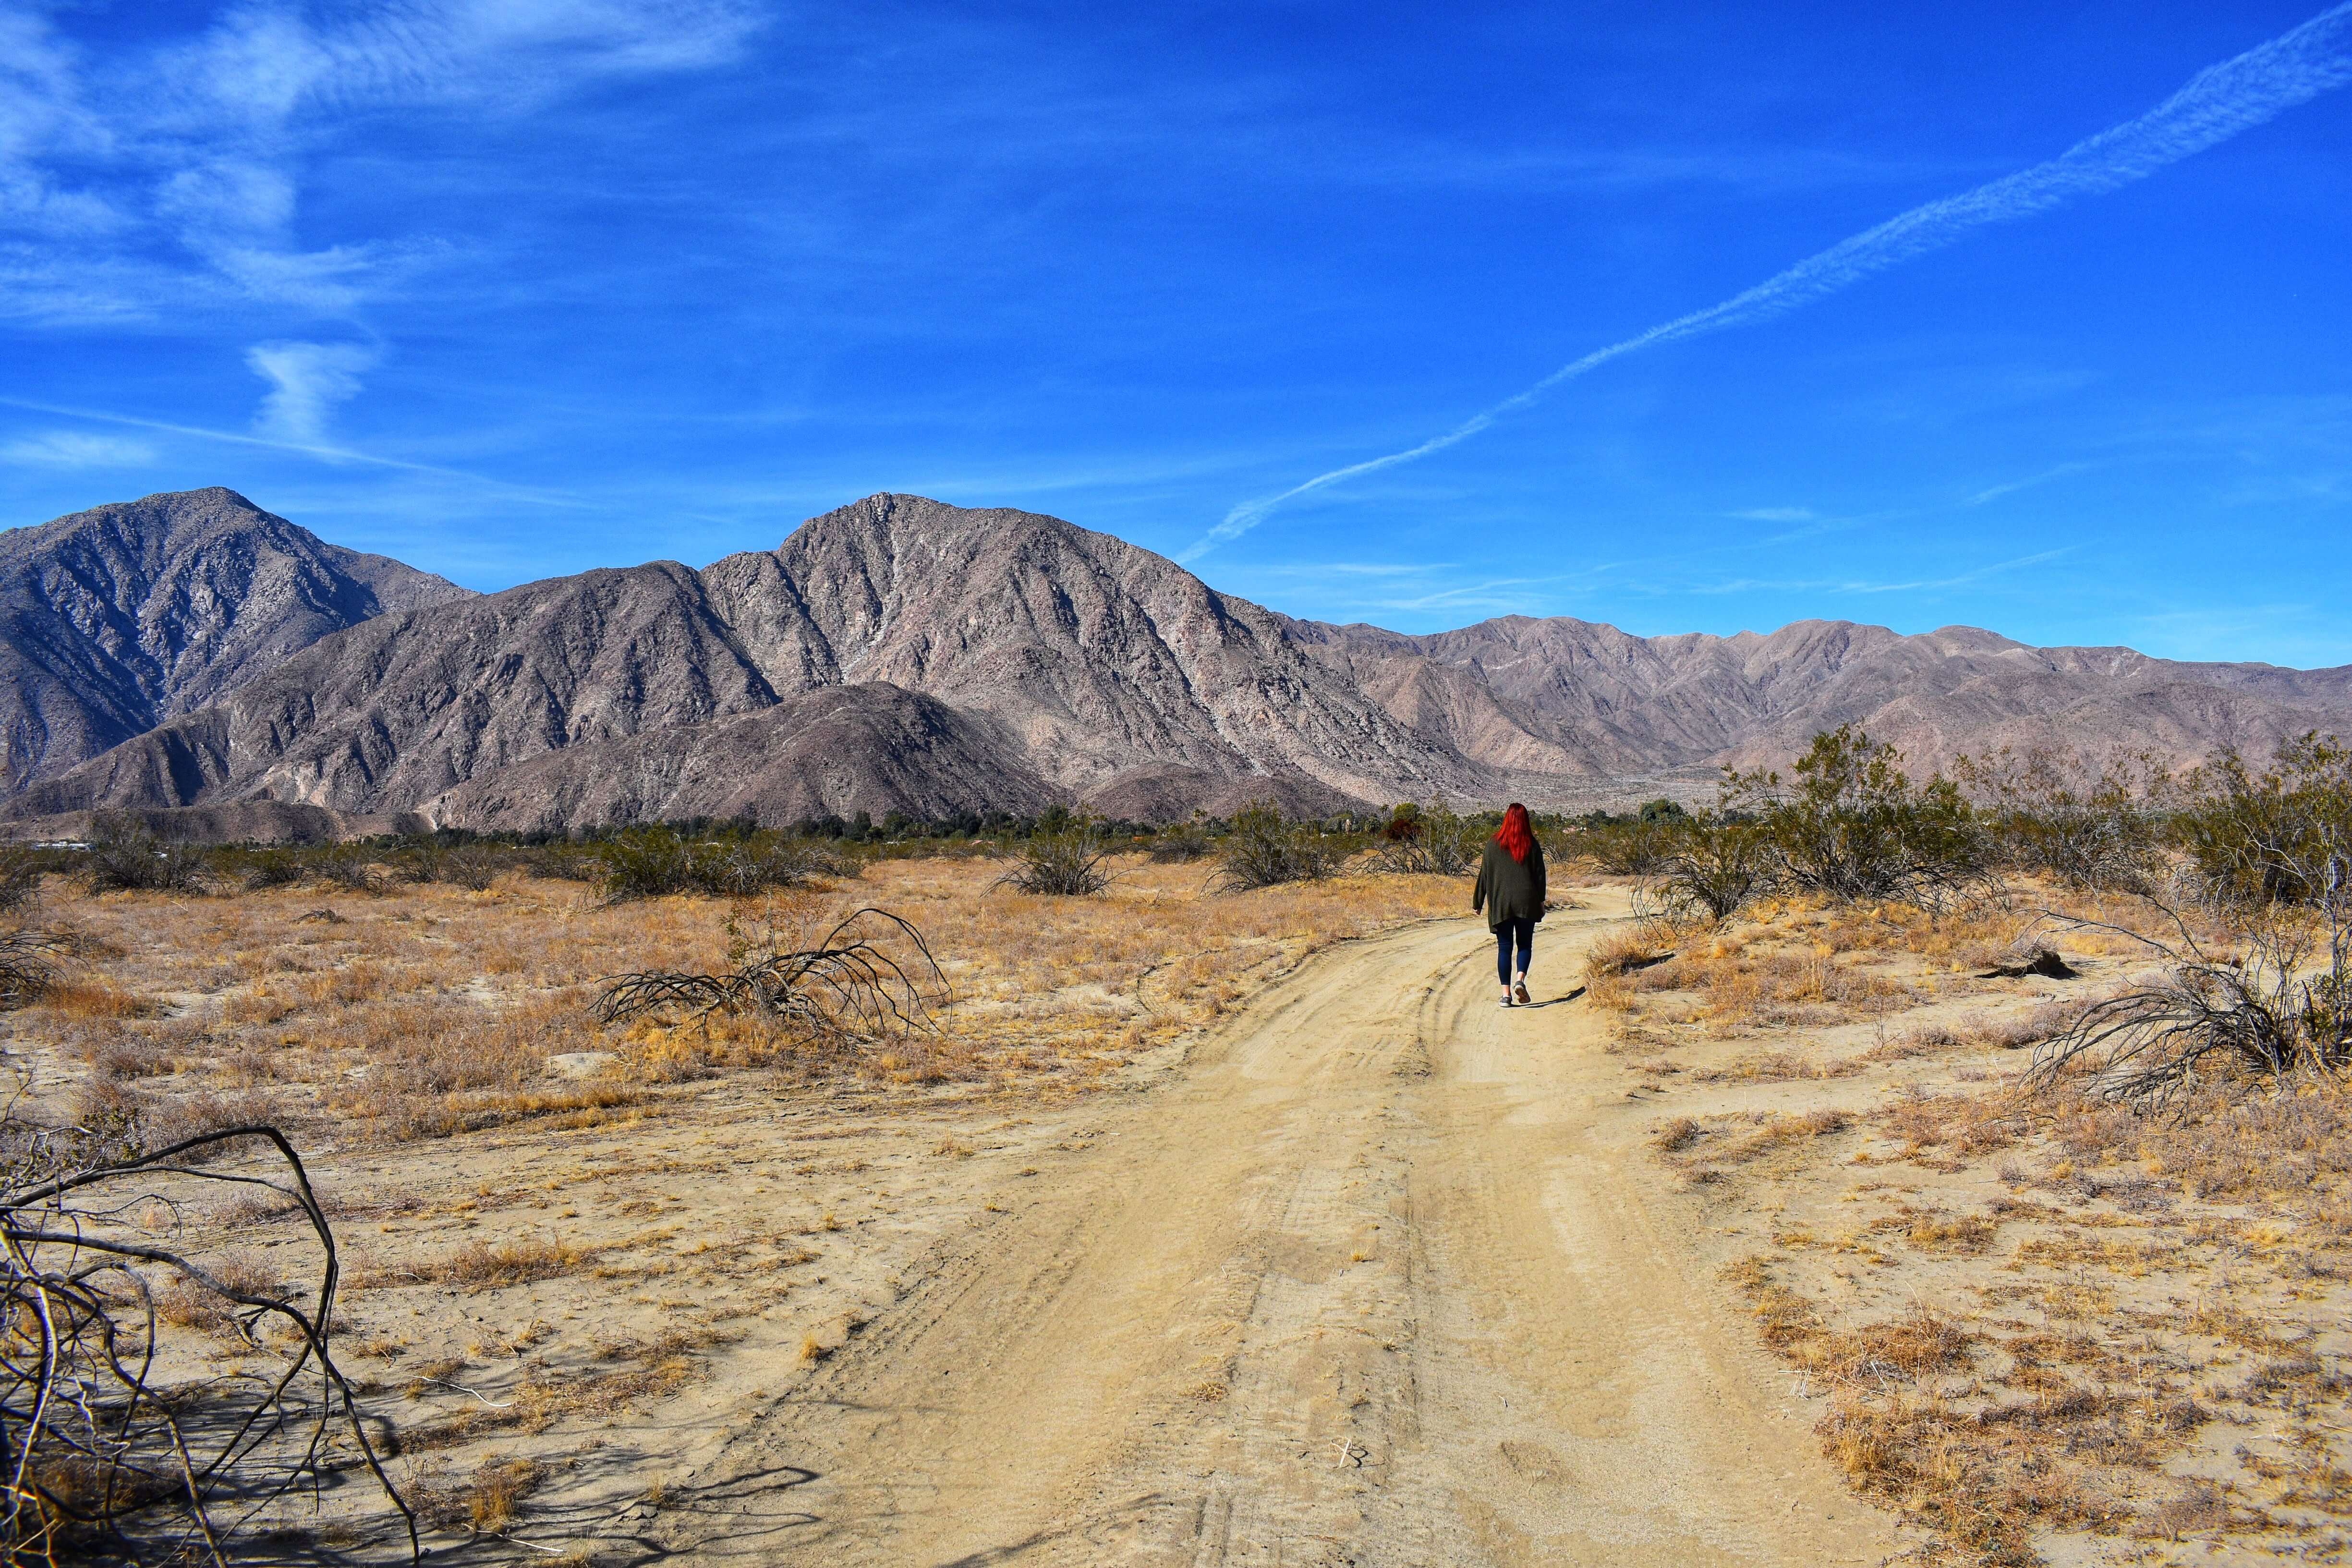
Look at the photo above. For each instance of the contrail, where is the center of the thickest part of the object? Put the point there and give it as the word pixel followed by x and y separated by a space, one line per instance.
pixel 307 449
pixel 2218 103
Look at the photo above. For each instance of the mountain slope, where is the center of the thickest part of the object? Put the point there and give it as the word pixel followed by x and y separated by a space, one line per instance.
pixel 828 753
pixel 118 618
pixel 1092 658
pixel 900 653
pixel 1634 704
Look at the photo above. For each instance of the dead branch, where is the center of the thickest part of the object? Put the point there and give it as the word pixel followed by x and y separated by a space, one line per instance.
pixel 850 984
pixel 2276 1000
pixel 99 1452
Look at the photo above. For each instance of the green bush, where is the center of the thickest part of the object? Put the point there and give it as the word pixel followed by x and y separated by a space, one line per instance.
pixel 2272 836
pixel 1183 843
pixel 1628 846
pixel 472 866
pixel 1429 840
pixel 652 862
pixel 1713 868
pixel 254 869
pixel 2049 812
pixel 1851 826
pixel 1260 850
pixel 1067 863
pixel 123 857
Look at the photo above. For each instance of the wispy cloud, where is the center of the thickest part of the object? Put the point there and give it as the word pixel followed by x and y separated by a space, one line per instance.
pixel 180 170
pixel 2219 103
pixel 76 449
pixel 329 453
pixel 307 383
pixel 1775 514
pixel 2033 482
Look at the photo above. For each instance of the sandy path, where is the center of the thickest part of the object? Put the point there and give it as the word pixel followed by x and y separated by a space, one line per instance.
pixel 1384 1276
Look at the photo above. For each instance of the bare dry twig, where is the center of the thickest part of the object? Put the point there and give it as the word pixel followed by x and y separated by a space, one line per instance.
pixel 849 983
pixel 97 1450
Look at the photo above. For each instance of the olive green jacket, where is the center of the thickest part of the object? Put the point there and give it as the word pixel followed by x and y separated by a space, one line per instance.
pixel 1509 890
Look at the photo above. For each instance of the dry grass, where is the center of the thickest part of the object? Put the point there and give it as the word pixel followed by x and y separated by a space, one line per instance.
pixel 1741 975
pixel 1920 1422
pixel 1628 949
pixel 480 1266
pixel 1777 1067
pixel 504 1213
pixel 186 1303
pixel 2033 1317
pixel 634 1375
pixel 2024 1318
pixel 432 1011
pixel 88 998
pixel 1700 1145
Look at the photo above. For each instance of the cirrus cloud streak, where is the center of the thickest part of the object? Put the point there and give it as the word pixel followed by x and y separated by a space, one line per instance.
pixel 2222 102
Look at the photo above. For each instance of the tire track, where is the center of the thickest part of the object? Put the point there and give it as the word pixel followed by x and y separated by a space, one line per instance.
pixel 1373 1282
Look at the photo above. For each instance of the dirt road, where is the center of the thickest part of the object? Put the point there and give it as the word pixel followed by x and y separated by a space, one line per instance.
pixel 1384 1276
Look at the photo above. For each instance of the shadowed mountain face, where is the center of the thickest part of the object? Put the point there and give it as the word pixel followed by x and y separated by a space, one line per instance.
pixel 116 619
pixel 899 654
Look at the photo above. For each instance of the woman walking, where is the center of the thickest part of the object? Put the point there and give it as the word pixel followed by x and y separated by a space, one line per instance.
pixel 1511 890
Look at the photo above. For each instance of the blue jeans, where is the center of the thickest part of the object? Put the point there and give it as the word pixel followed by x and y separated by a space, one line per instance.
pixel 1521 932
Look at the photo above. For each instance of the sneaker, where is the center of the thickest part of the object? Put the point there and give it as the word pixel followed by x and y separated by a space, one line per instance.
pixel 1519 995
pixel 1507 998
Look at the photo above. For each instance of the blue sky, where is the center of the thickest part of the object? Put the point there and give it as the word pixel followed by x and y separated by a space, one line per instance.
pixel 510 289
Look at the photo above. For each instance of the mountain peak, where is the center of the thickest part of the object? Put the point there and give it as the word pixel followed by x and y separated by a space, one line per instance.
pixel 902 653
pixel 122 616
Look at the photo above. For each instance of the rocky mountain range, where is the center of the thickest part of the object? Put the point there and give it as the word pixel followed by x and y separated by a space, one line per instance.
pixel 118 618
pixel 899 654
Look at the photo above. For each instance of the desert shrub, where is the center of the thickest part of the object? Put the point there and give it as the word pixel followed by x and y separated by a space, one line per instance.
pixel 2271 996
pixel 650 862
pixel 349 866
pixel 20 877
pixel 1184 843
pixel 2048 812
pixel 2262 837
pixel 28 965
pixel 125 858
pixel 564 861
pixel 1066 864
pixel 1712 867
pixel 259 869
pixel 472 866
pixel 1262 850
pixel 1429 840
pixel 1851 826
pixel 1636 844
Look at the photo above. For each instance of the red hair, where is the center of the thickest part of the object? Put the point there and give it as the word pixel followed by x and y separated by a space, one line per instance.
pixel 1515 835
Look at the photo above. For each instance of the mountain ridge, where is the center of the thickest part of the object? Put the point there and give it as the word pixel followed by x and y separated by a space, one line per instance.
pixel 998 659
pixel 118 618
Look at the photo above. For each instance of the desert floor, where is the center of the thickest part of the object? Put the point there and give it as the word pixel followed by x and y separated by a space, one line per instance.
pixel 1369 1279
pixel 1353 1268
